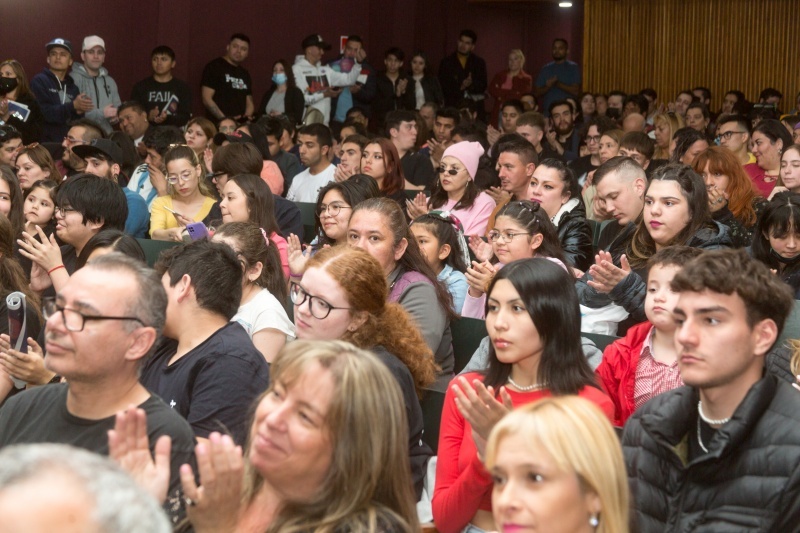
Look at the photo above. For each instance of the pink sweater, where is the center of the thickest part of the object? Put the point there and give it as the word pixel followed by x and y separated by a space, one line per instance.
pixel 476 218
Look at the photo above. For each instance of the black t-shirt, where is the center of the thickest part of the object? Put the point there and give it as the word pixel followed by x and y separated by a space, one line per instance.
pixel 582 166
pixel 40 415
pixel 548 153
pixel 215 385
pixel 173 95
pixel 232 85
pixel 418 169
pixel 418 451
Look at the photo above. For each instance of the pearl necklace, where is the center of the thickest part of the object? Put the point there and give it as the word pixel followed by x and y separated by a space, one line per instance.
pixel 528 388
pixel 710 421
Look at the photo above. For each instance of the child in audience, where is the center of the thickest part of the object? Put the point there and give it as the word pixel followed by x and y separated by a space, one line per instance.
pixel 776 238
pixel 441 239
pixel 644 363
pixel 522 230
pixel 39 208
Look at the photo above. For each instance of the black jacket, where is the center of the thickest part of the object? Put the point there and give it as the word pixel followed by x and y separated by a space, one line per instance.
pixel 452 75
pixel 386 98
pixel 31 129
pixel 430 88
pixel 294 103
pixel 748 481
pixel 575 236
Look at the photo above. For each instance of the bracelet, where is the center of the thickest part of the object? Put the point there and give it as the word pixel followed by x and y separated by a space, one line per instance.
pixel 55 268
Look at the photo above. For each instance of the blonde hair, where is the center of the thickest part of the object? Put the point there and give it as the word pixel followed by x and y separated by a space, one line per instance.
pixel 517 52
pixel 564 426
pixel 674 122
pixel 368 486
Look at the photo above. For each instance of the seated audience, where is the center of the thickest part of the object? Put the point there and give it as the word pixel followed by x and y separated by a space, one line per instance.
pixel 261 309
pixel 732 199
pixel 315 142
pixel 686 144
pixel 769 139
pixel 205 366
pixel 665 126
pixel 722 450
pixel 149 179
pixel 381 161
pixel 378 226
pixel 644 363
pixel 533 321
pixel 776 238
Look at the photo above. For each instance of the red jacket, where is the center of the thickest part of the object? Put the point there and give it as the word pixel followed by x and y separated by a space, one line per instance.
pixel 617 371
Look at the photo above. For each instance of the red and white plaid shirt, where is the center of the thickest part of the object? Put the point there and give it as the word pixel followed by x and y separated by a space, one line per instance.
pixel 652 377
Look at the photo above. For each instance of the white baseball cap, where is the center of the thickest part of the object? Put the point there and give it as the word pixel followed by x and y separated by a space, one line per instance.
pixel 92 41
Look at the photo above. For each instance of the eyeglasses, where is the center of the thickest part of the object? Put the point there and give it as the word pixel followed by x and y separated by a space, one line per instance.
pixel 331 209
pixel 451 171
pixel 186 176
pixel 593 139
pixel 319 308
pixel 507 236
pixel 64 210
pixel 75 320
pixel 727 135
pixel 73 140
pixel 215 175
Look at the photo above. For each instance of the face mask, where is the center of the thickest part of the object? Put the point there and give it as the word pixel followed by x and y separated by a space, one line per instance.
pixel 7 85
pixel 279 78
pixel 785 260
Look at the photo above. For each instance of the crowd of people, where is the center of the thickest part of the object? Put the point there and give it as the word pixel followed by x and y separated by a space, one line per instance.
pixel 260 378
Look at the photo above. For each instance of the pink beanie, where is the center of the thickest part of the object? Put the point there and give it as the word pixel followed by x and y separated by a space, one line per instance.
pixel 468 153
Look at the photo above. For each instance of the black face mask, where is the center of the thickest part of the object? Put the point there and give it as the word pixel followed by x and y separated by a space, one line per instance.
pixel 7 85
pixel 785 260
pixel 613 112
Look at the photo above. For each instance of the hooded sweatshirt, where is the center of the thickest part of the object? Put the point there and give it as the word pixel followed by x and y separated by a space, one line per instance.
pixel 102 89
pixel 314 79
pixel 55 98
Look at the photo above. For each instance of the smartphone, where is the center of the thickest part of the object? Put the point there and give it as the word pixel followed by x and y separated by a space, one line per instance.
pixel 197 231
pixel 17 327
pixel 173 212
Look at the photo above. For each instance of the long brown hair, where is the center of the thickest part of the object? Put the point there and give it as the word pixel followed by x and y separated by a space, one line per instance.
pixel 388 324
pixel 368 486
pixel 16 214
pixel 394 180
pixel 22 80
pixel 740 191
pixel 12 277
pixel 39 155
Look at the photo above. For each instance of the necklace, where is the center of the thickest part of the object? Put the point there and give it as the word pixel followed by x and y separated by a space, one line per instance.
pixel 528 388
pixel 710 421
pixel 699 439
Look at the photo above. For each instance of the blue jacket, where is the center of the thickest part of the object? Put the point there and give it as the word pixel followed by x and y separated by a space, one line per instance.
pixel 138 221
pixel 55 98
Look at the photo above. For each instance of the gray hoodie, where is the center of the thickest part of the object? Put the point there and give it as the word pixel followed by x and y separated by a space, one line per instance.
pixel 102 89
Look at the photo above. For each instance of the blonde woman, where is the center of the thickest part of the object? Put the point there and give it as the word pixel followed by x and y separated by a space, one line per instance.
pixel 510 84
pixel 545 474
pixel 666 124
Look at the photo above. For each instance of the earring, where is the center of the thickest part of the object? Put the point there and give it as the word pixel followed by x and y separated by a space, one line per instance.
pixel 594 521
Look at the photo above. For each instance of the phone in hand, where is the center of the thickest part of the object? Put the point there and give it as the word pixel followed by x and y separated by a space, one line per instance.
pixel 17 327
pixel 197 231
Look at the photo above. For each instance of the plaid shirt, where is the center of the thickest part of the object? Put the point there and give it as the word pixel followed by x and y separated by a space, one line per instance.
pixel 653 377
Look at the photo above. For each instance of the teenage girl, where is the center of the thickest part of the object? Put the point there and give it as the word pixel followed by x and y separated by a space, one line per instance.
pixel 522 230
pixel 441 239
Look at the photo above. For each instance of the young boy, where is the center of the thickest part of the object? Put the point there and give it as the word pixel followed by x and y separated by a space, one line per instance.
pixel 644 364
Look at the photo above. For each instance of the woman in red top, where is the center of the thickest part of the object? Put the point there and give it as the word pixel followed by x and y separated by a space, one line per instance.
pixel 510 84
pixel 533 321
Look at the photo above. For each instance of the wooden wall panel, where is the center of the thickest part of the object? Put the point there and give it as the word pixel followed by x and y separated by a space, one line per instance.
pixel 677 44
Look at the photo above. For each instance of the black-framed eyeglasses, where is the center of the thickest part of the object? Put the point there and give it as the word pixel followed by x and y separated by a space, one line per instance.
pixel 72 140
pixel 64 210
pixel 593 138
pixel 75 320
pixel 507 236
pixel 727 135
pixel 319 308
pixel 331 209
pixel 215 175
pixel 451 171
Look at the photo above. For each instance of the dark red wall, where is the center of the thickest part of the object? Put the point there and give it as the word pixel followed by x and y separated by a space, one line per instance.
pixel 198 30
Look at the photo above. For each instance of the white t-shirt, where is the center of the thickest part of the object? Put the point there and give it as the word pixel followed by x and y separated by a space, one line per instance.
pixel 264 311
pixel 305 187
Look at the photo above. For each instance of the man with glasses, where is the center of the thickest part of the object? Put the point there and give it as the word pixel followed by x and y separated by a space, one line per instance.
pixel 98 339
pixel 60 99
pixel 206 367
pixel 103 158
pixel 10 145
pixel 733 132
pixel 85 205
pixel 81 131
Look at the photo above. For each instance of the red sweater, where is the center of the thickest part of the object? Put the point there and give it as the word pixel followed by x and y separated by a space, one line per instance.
pixel 617 371
pixel 463 485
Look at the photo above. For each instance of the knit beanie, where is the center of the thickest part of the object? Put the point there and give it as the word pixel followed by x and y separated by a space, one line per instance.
pixel 468 153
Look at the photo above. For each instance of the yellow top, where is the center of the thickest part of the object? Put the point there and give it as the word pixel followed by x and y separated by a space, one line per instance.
pixel 160 218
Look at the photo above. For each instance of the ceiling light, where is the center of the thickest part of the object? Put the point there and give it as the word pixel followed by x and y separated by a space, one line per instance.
pixel 565 4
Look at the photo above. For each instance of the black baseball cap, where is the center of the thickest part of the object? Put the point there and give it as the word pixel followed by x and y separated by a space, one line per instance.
pixel 63 43
pixel 106 147
pixel 233 137
pixel 315 40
